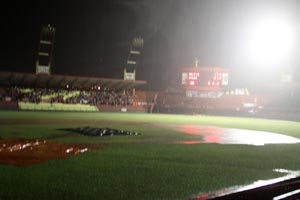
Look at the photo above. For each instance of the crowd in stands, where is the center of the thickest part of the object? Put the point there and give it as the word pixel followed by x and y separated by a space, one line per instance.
pixel 283 106
pixel 69 96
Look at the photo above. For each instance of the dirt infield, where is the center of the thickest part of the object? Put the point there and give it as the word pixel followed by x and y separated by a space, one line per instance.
pixel 21 152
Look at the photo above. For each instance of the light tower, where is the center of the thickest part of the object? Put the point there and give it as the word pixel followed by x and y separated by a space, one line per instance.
pixel 45 51
pixel 196 62
pixel 133 58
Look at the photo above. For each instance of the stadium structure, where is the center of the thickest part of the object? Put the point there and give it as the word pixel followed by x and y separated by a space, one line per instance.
pixel 45 91
pixel 28 91
pixel 202 90
pixel 157 154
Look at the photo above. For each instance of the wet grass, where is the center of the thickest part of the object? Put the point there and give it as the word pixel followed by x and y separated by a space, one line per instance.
pixel 149 166
pixel 279 126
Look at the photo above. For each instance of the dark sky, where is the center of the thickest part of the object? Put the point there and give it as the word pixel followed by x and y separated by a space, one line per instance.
pixel 93 37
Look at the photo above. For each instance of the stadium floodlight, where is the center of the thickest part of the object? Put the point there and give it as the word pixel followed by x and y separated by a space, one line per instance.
pixel 133 58
pixel 138 43
pixel 269 41
pixel 45 51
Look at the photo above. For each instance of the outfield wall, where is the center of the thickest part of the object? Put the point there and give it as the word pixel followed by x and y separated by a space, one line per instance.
pixel 7 105
pixel 56 107
pixel 70 107
pixel 110 108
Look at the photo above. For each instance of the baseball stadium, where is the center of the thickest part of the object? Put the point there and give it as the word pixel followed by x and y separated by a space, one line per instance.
pixel 59 139
pixel 64 136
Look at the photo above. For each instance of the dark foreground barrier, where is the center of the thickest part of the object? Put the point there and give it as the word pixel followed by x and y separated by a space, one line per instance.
pixel 287 190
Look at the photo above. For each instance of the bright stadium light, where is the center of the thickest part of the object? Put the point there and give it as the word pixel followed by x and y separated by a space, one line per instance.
pixel 269 42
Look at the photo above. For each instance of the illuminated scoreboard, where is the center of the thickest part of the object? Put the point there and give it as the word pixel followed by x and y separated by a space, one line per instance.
pixel 205 77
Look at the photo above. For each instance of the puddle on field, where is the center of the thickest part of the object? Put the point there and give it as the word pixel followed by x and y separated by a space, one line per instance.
pixel 260 183
pixel 211 134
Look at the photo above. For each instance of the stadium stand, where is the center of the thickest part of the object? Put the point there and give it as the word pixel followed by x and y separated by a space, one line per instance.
pixel 70 93
pixel 76 100
pixel 55 92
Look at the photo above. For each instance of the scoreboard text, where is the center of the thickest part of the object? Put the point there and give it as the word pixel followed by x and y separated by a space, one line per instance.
pixel 205 78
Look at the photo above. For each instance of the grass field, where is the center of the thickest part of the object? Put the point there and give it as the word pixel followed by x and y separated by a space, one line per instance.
pixel 149 166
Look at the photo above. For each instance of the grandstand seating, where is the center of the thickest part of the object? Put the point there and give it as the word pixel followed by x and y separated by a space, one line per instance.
pixel 71 100
pixel 142 101
pixel 140 98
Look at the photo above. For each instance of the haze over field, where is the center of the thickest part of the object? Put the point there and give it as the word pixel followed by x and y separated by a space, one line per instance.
pixel 256 39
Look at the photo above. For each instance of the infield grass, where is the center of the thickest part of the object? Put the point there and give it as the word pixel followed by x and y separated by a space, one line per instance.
pixel 149 166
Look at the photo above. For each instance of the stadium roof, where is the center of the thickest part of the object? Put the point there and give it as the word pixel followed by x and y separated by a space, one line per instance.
pixel 61 81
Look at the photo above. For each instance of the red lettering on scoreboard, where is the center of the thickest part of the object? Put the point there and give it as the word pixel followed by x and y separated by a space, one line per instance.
pixel 205 78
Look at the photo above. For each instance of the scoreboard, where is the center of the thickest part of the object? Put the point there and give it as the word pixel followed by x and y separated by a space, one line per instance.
pixel 205 77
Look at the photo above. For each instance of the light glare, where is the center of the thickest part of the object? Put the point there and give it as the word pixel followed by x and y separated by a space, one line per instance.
pixel 270 42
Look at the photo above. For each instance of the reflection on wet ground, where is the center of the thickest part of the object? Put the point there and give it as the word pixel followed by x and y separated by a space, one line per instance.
pixel 211 134
pixel 260 183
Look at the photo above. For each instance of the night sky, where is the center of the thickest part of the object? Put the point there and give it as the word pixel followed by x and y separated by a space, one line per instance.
pixel 93 37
